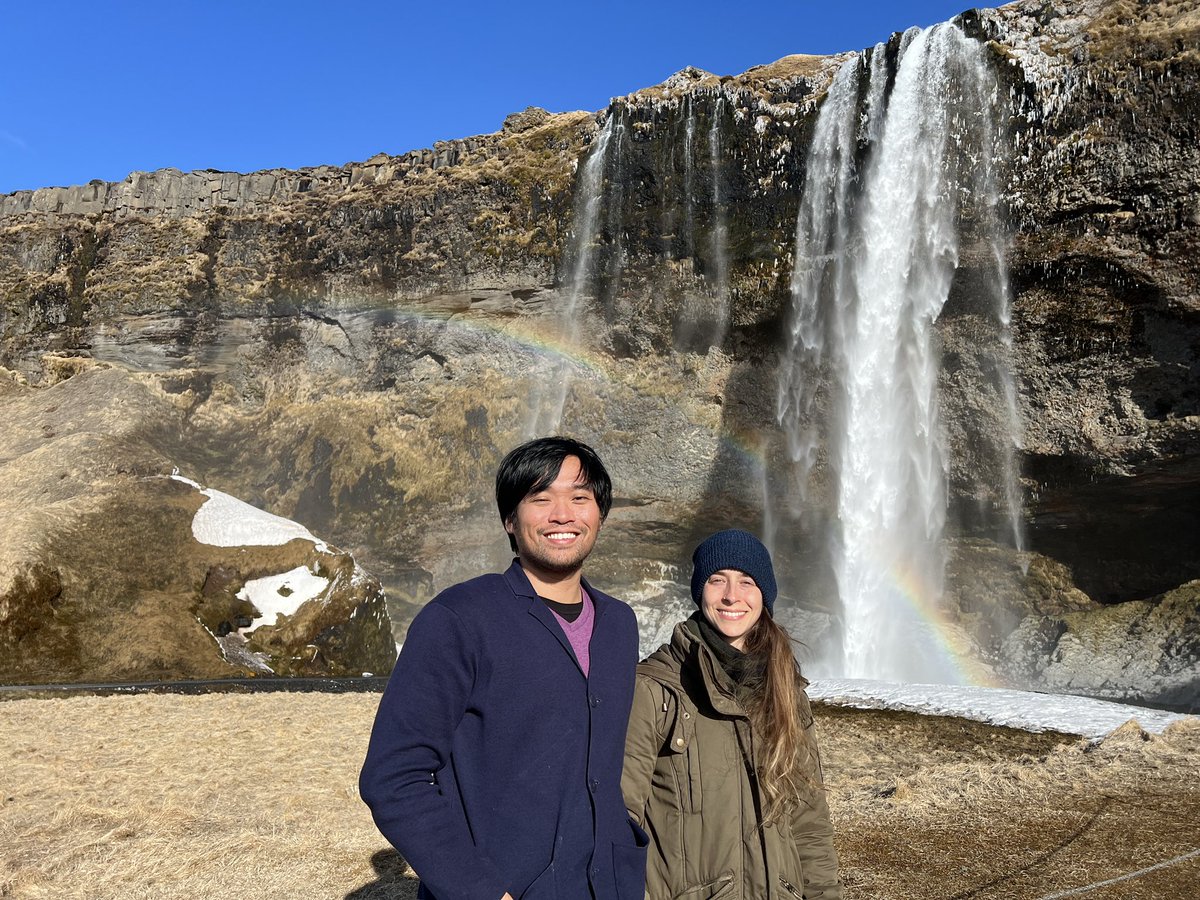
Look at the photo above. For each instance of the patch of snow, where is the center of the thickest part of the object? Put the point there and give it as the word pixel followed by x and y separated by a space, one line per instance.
pixel 1025 710
pixel 269 597
pixel 225 521
pixel 175 476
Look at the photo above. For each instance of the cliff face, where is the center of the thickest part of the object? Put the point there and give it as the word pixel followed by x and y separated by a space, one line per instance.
pixel 355 347
pixel 230 244
pixel 1106 269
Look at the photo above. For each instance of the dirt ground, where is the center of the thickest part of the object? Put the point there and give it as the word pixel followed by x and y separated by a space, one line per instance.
pixel 254 796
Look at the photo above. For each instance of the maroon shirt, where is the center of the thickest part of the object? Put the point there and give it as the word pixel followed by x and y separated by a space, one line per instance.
pixel 579 632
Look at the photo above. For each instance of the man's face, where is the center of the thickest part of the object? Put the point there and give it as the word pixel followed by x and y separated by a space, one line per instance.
pixel 555 529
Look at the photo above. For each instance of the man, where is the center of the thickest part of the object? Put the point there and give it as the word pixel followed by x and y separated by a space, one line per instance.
pixel 495 761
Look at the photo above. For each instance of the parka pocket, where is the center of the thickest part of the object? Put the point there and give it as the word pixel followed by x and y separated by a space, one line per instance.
pixel 713 890
pixel 790 889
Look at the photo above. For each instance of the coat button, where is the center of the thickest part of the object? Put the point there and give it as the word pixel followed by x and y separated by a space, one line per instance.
pixel 595 701
pixel 679 743
pixel 595 871
pixel 594 785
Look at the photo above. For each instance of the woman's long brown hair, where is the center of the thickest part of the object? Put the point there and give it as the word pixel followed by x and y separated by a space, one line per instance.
pixel 774 712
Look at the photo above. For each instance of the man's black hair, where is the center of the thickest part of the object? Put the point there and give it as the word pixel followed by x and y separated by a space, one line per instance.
pixel 533 466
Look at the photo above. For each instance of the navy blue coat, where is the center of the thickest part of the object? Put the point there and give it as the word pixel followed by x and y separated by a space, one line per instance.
pixel 494 764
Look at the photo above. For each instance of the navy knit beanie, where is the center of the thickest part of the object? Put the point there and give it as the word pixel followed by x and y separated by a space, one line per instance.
pixel 734 549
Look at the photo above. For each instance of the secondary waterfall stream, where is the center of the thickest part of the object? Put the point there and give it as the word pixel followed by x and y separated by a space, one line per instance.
pixel 546 406
pixel 893 171
pixel 594 256
pixel 719 233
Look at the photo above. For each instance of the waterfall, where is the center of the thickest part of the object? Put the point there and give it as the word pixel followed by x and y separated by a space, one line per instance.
pixel 877 246
pixel 823 235
pixel 719 237
pixel 550 397
pixel 703 317
pixel 1002 304
pixel 689 174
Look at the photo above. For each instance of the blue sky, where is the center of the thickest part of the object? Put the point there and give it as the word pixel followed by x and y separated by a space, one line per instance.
pixel 101 88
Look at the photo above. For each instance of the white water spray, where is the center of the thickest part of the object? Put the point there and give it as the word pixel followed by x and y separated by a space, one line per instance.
pixel 703 319
pixel 1005 369
pixel 822 284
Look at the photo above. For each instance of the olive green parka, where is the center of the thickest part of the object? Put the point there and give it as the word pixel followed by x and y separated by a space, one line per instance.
pixel 690 781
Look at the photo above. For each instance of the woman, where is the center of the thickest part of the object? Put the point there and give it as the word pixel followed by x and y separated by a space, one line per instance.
pixel 721 764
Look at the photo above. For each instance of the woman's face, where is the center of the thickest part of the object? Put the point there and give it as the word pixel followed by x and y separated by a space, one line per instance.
pixel 732 604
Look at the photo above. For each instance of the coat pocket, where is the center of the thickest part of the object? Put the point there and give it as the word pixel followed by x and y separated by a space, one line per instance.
pixel 712 890
pixel 789 889
pixel 543 887
pixel 629 865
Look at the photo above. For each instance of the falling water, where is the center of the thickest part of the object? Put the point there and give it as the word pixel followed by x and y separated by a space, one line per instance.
pixel 719 236
pixel 1002 303
pixel 1008 384
pixel 876 249
pixel 548 402
pixel 703 318
pixel 891 461
pixel 823 233
pixel 689 174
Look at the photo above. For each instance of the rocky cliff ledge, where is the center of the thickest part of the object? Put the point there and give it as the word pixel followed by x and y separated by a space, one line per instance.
pixel 354 347
pixel 113 569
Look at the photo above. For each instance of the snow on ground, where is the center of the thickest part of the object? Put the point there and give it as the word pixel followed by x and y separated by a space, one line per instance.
pixel 282 593
pixel 226 521
pixel 998 706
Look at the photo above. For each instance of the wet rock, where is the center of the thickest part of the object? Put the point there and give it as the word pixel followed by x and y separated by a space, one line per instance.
pixel 1141 651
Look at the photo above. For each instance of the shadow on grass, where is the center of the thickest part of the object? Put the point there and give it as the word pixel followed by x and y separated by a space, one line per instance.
pixel 394 879
pixel 1041 860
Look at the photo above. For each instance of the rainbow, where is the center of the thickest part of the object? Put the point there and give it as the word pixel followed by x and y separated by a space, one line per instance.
pixel 915 593
pixel 548 342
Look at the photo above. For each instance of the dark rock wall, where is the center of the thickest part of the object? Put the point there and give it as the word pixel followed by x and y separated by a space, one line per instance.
pixel 1105 196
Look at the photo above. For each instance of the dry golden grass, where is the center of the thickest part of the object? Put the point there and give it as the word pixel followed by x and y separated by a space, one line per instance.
pixel 214 796
pixel 254 796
